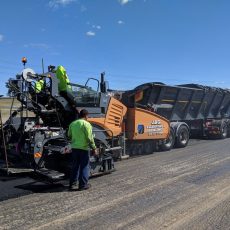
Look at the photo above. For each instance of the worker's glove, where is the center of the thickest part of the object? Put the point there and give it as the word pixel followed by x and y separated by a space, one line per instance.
pixel 95 152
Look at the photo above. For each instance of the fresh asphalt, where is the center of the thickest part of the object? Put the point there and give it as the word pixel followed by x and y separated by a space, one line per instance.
pixel 180 189
pixel 23 184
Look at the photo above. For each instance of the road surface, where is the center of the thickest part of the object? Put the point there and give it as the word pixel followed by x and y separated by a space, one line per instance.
pixel 181 189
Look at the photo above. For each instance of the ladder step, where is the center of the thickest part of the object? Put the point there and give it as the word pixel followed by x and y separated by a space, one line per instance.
pixel 123 157
pixel 50 174
pixel 49 111
pixel 11 170
pixel 14 169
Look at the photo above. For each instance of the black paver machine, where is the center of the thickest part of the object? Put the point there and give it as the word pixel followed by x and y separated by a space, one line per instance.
pixel 35 135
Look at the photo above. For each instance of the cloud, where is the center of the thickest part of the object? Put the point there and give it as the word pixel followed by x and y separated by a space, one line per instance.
pixel 37 45
pixel 55 4
pixel 123 2
pixel 120 22
pixel 90 33
pixel 219 82
pixel 1 37
pixel 92 29
pixel 96 27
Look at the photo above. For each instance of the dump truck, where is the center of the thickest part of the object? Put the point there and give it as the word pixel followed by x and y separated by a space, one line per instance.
pixel 192 109
pixel 35 135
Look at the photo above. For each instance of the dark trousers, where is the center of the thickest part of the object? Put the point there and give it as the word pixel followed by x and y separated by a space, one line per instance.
pixel 80 167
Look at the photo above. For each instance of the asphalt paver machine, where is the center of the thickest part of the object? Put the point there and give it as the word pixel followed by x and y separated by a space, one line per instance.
pixel 35 135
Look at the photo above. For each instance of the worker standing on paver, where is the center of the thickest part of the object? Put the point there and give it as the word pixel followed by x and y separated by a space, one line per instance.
pixel 39 85
pixel 64 86
pixel 64 83
pixel 80 132
pixel 39 91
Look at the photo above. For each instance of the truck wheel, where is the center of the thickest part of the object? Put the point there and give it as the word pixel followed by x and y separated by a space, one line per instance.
pixel 148 147
pixel 128 149
pixel 223 130
pixel 168 143
pixel 140 148
pixel 134 149
pixel 182 137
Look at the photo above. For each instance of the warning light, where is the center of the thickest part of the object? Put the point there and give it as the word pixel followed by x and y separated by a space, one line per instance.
pixel 24 60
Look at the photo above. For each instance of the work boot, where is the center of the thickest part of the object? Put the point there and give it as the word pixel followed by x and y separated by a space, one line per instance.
pixel 73 187
pixel 87 186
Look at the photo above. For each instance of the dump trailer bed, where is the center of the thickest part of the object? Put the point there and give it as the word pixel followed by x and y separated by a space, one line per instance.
pixel 191 103
pixel 188 102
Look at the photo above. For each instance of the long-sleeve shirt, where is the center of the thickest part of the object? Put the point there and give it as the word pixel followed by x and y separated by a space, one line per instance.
pixel 80 132
pixel 63 79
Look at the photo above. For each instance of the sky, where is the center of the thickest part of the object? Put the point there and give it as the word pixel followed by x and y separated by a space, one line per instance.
pixel 132 41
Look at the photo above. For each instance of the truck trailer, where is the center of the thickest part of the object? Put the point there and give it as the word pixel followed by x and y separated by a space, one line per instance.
pixel 192 109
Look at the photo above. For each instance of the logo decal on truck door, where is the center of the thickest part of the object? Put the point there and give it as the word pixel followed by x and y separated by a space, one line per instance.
pixel 156 128
pixel 140 129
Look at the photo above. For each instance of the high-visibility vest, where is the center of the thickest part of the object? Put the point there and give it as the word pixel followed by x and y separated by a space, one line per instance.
pixel 39 85
pixel 63 79
pixel 80 132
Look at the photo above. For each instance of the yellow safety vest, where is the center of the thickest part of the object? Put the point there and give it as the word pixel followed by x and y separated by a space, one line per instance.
pixel 63 79
pixel 39 85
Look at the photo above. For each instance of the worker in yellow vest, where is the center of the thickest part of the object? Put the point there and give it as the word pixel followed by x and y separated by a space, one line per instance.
pixel 80 133
pixel 62 76
pixel 39 85
pixel 63 85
